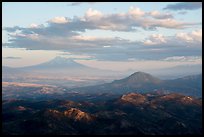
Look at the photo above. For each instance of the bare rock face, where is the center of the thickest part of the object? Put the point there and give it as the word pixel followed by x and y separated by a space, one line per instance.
pixel 172 96
pixel 53 111
pixel 53 114
pixel 78 115
pixel 133 98
pixel 188 100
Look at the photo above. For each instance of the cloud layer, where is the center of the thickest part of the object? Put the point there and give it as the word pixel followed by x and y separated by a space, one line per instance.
pixel 193 38
pixel 132 20
pixel 66 34
pixel 184 6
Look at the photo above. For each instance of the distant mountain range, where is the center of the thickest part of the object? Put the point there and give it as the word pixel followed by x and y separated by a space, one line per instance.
pixel 141 82
pixel 137 82
pixel 59 66
pixel 178 71
pixel 56 63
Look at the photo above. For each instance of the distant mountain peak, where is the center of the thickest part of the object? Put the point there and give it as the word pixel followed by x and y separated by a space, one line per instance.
pixel 139 74
pixel 141 77
pixel 59 63
pixel 62 60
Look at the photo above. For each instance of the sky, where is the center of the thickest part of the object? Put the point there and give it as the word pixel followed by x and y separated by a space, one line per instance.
pixel 115 36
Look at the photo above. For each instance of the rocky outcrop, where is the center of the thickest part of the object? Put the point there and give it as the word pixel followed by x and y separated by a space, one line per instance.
pixel 78 115
pixel 133 98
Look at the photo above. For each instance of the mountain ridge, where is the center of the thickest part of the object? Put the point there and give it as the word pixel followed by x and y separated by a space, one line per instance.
pixel 148 83
pixel 57 62
pixel 140 77
pixel 136 114
pixel 60 66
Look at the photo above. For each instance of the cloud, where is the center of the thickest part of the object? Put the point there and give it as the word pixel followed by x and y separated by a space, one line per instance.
pixel 184 6
pixel 184 36
pixel 79 3
pixel 72 43
pixel 93 14
pixel 135 11
pixel 158 15
pixel 66 34
pixel 75 3
pixel 155 39
pixel 156 46
pixel 59 20
pixel 134 18
pixel 184 58
pixel 62 33
pixel 182 12
pixel 93 19
pixel 33 25
pixel 194 36
pixel 10 57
